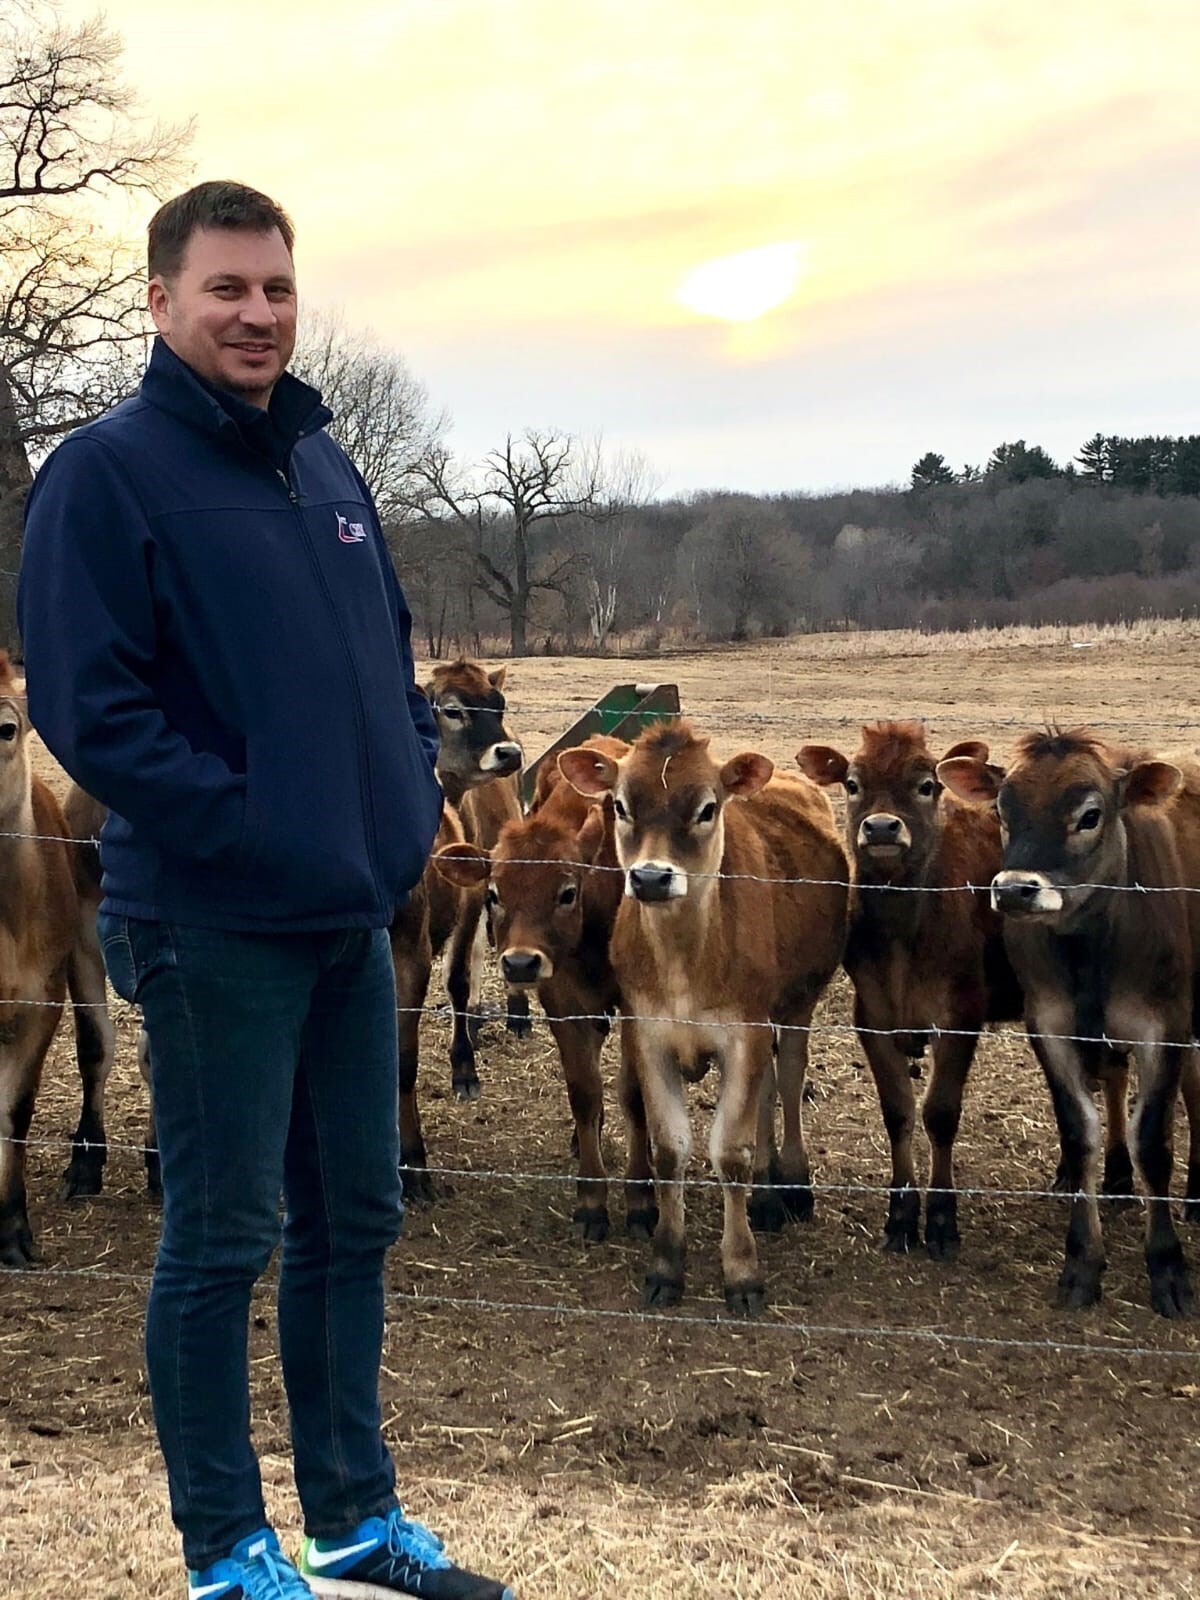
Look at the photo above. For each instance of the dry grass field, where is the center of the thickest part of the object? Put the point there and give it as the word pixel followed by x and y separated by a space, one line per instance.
pixel 892 1427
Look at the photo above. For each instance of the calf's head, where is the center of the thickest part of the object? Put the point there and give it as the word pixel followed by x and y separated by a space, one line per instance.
pixel 893 793
pixel 469 705
pixel 534 895
pixel 668 797
pixel 1062 807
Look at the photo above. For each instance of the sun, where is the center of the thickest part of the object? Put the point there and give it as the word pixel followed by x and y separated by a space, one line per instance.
pixel 741 287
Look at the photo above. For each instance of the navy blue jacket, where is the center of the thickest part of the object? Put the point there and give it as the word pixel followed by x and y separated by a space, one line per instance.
pixel 217 648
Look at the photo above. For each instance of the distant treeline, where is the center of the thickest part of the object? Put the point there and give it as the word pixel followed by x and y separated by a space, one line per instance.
pixel 1112 536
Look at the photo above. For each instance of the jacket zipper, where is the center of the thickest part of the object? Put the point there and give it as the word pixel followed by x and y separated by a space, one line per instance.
pixel 360 710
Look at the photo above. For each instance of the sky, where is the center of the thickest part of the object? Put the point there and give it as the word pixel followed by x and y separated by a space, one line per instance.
pixel 951 223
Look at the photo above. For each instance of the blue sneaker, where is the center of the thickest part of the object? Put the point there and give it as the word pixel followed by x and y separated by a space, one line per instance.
pixel 386 1557
pixel 255 1569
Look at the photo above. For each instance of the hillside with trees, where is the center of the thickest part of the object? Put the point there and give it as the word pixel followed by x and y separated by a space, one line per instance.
pixel 1112 535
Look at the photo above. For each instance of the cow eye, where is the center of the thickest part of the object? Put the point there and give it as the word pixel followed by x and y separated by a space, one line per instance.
pixel 707 811
pixel 8 731
pixel 491 899
pixel 1090 820
pixel 852 786
pixel 619 808
pixel 568 894
pixel 453 713
pixel 925 790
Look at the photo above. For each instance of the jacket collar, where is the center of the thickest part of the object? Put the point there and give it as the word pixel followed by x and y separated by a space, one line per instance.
pixel 171 385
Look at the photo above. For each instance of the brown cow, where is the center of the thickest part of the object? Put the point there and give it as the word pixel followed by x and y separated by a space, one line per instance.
pixel 1080 819
pixel 39 928
pixel 553 889
pixel 918 962
pixel 477 765
pixel 713 952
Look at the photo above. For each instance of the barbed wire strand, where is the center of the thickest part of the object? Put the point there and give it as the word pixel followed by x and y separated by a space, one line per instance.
pixel 431 1302
pixel 619 1180
pixel 805 716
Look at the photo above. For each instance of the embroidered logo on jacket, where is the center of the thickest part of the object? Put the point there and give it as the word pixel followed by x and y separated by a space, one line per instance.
pixel 350 532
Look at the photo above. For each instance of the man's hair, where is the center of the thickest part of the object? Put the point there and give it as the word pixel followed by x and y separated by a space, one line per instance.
pixel 217 204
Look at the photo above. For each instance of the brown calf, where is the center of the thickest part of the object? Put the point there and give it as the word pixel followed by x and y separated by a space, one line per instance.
pixel 713 952
pixel 478 762
pixel 1081 819
pixel 918 962
pixel 39 926
pixel 553 889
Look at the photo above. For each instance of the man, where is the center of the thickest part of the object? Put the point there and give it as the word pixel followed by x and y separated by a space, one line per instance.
pixel 217 648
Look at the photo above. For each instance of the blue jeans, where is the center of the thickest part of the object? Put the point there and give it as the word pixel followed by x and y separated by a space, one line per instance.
pixel 273 1064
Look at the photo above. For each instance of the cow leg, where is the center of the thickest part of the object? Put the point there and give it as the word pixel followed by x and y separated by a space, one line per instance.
pixel 746 1061
pixel 477 966
pixel 893 1083
pixel 671 1144
pixel 765 1210
pixel 150 1152
pixel 941 1113
pixel 1159 1068
pixel 579 1046
pixel 641 1213
pixel 1118 1167
pixel 460 959
pixel 412 962
pixel 1079 1133
pixel 95 1047
pixel 517 1019
pixel 1190 1084
pixel 20 1078
pixel 791 1070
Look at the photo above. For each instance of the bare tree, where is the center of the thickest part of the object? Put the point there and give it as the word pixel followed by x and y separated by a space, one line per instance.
pixel 514 516
pixel 71 324
pixel 381 413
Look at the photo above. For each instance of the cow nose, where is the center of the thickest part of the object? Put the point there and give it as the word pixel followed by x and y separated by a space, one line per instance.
pixel 1015 894
pixel 521 966
pixel 507 757
pixel 651 882
pixel 881 829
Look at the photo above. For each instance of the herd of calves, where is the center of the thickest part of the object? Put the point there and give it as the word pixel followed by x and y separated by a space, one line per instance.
pixel 704 906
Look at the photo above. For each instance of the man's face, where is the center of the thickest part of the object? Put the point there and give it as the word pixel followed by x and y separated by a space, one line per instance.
pixel 230 311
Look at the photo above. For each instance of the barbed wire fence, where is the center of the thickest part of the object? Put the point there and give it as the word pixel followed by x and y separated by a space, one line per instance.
pixel 748 720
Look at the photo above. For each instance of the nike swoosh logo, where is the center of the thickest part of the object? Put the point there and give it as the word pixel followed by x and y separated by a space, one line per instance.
pixel 317 1559
pixel 209 1588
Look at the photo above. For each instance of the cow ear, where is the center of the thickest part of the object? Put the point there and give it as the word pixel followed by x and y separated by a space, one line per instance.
pixel 496 679
pixel 464 864
pixel 591 836
pixel 822 763
pixel 975 749
pixel 588 771
pixel 1150 783
pixel 746 774
pixel 976 782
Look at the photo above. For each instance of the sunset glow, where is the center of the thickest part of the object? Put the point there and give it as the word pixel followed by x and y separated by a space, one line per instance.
pixel 574 214
pixel 743 287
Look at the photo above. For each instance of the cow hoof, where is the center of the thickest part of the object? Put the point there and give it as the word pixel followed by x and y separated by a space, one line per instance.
pixel 902 1230
pixel 83 1177
pixel 766 1211
pixel 418 1186
pixel 797 1200
pixel 16 1245
pixel 660 1290
pixel 466 1089
pixel 641 1223
pixel 1171 1292
pixel 592 1222
pixel 1079 1285
pixel 746 1299
pixel 521 1027
pixel 941 1229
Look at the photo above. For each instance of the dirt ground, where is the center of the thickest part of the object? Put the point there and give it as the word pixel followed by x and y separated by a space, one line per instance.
pixel 892 1427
